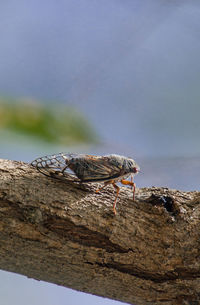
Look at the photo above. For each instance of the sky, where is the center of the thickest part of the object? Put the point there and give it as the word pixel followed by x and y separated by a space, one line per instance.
pixel 132 67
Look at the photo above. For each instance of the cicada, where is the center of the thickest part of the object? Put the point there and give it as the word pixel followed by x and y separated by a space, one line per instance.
pixel 108 169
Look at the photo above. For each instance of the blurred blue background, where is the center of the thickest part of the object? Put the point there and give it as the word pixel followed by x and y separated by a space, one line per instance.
pixel 131 68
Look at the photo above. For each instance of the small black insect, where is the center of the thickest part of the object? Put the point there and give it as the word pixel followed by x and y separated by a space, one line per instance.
pixel 89 168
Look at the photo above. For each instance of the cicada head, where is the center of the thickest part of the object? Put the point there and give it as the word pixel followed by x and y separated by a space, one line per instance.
pixel 132 166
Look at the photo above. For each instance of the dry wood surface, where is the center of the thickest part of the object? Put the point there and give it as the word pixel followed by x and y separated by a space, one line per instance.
pixel 64 233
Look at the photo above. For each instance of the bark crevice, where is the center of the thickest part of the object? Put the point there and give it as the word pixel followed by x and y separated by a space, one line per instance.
pixel 182 274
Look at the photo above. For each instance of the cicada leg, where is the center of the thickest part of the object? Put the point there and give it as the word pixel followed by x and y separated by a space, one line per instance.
pixel 131 181
pixel 132 184
pixel 105 183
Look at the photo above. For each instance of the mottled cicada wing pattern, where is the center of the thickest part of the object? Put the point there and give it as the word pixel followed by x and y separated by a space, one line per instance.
pixel 56 166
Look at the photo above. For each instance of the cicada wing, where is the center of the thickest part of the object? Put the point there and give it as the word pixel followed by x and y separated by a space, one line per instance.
pixel 56 166
pixel 80 168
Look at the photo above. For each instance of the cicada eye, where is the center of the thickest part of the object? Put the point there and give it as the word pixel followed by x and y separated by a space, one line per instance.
pixel 135 170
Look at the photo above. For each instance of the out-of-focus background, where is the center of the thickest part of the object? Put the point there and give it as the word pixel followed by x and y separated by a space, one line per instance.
pixel 100 77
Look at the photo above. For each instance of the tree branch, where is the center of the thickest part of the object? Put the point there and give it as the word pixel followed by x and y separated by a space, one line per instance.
pixel 149 253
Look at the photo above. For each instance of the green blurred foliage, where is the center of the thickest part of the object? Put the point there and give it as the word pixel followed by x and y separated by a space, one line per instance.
pixel 51 123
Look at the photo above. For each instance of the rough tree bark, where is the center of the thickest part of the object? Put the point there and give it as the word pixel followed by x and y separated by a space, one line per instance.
pixel 149 253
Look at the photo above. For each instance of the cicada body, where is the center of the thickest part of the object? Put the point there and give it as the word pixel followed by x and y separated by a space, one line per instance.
pixel 108 169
